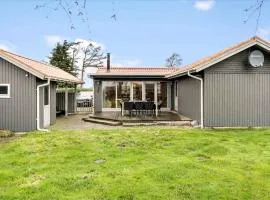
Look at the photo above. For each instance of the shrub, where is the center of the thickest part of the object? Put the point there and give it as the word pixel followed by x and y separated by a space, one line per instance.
pixel 6 133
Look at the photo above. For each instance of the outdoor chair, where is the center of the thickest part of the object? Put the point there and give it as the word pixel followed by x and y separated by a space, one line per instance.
pixel 128 106
pixel 149 107
pixel 139 106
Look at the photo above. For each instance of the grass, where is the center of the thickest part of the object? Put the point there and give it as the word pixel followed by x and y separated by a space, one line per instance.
pixel 137 163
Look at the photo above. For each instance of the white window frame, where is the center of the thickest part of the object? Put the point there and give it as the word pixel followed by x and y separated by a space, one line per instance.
pixel 5 96
pixel 131 94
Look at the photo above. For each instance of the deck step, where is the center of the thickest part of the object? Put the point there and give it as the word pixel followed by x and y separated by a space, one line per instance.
pixel 157 123
pixel 103 118
pixel 102 121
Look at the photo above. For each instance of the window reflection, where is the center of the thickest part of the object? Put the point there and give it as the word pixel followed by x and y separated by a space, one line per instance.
pixel 109 94
pixel 137 91
pixel 162 93
pixel 123 92
pixel 149 91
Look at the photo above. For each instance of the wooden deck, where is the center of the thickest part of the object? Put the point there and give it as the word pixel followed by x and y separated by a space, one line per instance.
pixel 116 116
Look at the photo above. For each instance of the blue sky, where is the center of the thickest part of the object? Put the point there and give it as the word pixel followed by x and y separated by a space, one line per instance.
pixel 144 34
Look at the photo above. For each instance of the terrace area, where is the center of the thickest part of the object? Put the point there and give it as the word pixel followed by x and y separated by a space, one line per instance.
pixel 116 118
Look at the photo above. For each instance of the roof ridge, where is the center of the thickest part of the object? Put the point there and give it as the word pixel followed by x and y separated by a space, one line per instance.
pixel 141 67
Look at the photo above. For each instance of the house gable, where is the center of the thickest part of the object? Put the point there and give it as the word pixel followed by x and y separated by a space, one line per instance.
pixel 239 63
pixel 220 56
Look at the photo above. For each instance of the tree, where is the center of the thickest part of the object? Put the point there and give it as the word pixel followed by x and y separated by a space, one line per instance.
pixel 255 9
pixel 61 58
pixel 92 56
pixel 174 60
pixel 74 10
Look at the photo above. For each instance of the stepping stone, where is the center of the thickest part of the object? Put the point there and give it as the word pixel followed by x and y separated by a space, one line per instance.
pixel 100 161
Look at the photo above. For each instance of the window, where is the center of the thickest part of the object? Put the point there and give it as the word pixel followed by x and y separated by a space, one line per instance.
pixel 123 92
pixel 4 90
pixel 109 94
pixel 137 91
pixel 162 93
pixel 149 91
pixel 46 95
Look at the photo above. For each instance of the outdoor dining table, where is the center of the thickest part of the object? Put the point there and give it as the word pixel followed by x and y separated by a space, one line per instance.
pixel 138 106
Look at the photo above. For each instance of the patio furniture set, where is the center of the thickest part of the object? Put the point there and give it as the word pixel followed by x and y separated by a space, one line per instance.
pixel 139 107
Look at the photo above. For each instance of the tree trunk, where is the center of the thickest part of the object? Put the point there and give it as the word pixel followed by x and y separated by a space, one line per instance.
pixel 82 75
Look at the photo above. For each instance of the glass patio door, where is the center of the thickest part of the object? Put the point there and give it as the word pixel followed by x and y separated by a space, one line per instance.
pixel 149 91
pixel 123 92
pixel 137 91
pixel 109 94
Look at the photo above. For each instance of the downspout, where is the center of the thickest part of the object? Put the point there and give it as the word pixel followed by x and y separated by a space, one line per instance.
pixel 38 111
pixel 201 80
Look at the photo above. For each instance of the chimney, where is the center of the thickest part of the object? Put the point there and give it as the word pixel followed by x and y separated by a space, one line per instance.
pixel 108 62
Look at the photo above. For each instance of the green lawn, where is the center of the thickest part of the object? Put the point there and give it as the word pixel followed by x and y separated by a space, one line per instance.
pixel 137 163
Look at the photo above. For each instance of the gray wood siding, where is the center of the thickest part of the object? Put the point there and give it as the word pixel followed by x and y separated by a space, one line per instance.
pixel 60 102
pixel 237 100
pixel 237 95
pixel 97 96
pixel 18 113
pixel 189 97
pixel 239 64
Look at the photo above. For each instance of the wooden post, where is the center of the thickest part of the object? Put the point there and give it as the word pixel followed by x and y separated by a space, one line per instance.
pixel 122 109
pixel 75 95
pixel 156 98
pixel 66 101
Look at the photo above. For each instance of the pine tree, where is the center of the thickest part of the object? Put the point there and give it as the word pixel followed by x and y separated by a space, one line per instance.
pixel 61 58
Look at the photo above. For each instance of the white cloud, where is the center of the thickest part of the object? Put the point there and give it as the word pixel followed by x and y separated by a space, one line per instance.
pixel 204 5
pixel 264 33
pixel 52 40
pixel 6 45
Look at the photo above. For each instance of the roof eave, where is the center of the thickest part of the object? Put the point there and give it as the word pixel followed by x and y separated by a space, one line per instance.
pixel 125 75
pixel 64 80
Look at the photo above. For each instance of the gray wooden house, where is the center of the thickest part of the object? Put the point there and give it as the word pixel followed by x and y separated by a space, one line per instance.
pixel 228 89
pixel 28 92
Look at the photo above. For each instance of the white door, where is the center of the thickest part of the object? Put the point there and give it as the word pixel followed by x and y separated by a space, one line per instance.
pixel 46 107
pixel 176 96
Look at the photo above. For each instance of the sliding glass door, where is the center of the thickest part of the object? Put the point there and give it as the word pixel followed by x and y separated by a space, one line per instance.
pixel 137 91
pixel 116 91
pixel 123 92
pixel 149 91
pixel 162 94
pixel 109 94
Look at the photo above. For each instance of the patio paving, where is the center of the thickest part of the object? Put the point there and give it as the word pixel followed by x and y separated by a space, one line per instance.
pixel 75 122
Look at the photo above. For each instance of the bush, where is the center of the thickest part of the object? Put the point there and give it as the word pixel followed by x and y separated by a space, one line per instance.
pixel 6 133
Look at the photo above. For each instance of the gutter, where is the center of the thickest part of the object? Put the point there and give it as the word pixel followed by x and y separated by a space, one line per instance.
pixel 38 111
pixel 202 100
